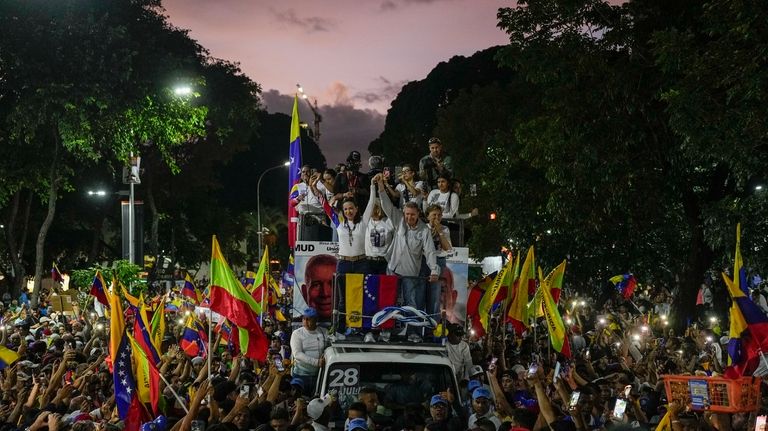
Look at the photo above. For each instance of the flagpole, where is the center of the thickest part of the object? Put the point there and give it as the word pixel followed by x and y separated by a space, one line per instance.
pixel 178 398
pixel 210 346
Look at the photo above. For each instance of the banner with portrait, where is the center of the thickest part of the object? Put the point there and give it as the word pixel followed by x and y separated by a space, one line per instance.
pixel 314 267
pixel 456 285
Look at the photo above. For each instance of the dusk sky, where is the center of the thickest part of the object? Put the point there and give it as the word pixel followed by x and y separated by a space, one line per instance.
pixel 352 55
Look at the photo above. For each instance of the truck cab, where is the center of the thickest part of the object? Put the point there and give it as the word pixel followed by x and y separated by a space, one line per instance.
pixel 399 372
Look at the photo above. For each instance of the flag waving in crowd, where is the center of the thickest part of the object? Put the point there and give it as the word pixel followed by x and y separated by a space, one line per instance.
pixel 294 173
pixel 230 299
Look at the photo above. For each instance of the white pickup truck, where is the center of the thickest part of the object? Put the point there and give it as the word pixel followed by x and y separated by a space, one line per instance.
pixel 415 368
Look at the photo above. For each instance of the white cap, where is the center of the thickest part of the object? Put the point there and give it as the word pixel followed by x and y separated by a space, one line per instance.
pixel 45 319
pixel 475 370
pixel 316 407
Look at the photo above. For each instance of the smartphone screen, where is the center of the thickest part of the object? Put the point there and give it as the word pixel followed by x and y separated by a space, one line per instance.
pixel 279 365
pixel 556 375
pixel 575 395
pixel 760 423
pixel 627 391
pixel 532 369
pixel 618 410
pixel 245 391
pixel 492 365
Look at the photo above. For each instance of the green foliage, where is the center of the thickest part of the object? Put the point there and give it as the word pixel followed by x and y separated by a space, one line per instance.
pixel 624 138
pixel 123 271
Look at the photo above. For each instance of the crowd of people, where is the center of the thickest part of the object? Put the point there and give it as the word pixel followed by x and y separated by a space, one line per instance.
pixel 58 373
pixel 507 381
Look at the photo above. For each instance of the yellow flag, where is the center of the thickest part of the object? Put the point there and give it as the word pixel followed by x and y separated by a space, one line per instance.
pixel 518 308
pixel 353 292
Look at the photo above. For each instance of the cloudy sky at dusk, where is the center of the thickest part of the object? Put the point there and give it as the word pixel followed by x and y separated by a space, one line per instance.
pixel 352 55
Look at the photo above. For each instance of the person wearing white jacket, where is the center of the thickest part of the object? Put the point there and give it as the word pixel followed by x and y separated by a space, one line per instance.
pixel 307 348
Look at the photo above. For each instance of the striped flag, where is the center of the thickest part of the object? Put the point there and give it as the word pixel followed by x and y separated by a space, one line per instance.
pixel 294 173
pixel 98 290
pixel 190 291
pixel 230 299
pixel 365 295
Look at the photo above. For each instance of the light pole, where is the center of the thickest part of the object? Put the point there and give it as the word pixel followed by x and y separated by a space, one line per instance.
pixel 258 204
pixel 317 117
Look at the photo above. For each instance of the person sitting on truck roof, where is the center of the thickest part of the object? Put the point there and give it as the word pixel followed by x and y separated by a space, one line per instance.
pixel 307 346
pixel 458 352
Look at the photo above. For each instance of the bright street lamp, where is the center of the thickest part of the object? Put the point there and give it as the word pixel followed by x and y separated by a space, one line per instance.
pixel 182 90
pixel 258 204
pixel 97 193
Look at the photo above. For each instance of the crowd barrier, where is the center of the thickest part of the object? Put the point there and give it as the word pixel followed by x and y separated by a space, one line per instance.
pixel 379 293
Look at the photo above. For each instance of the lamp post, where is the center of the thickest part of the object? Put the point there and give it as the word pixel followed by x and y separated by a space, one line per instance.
pixel 258 204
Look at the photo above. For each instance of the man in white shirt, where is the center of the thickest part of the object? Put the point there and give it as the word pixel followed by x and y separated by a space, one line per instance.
pixel 307 347
pixel 310 209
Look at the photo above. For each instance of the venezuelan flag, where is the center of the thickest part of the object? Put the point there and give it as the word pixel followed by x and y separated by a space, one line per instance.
pixel 147 376
pixel 7 357
pixel 379 292
pixel 294 172
pixel 748 324
pixel 625 284
pixel 190 291
pixel 97 289
pixel 193 340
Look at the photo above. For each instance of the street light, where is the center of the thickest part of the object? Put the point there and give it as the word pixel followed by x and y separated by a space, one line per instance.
pixel 182 90
pixel 315 113
pixel 258 203
pixel 97 193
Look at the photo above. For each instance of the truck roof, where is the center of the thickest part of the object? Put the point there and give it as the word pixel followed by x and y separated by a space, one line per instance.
pixel 382 352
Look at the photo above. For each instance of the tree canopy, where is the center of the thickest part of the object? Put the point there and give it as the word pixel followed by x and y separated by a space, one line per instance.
pixel 625 138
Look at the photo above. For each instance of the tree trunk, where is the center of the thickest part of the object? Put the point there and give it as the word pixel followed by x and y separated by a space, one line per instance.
pixel 21 281
pixel 10 240
pixel 53 190
pixel 154 229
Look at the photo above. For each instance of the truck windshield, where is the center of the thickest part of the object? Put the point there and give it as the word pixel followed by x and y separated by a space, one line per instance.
pixel 398 385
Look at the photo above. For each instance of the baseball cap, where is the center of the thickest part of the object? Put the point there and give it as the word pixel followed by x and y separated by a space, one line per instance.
pixel 438 399
pixel 475 370
pixel 481 393
pixel 310 313
pixel 473 384
pixel 357 423
pixel 315 407
pixel 517 368
pixel 45 319
pixel 29 364
pixel 197 360
pixel 298 382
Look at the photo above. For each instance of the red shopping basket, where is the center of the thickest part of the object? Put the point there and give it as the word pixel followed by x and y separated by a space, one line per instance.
pixel 715 394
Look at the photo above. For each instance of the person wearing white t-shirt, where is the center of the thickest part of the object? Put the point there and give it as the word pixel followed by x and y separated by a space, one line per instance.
pixel 444 196
pixel 441 237
pixel 408 189
pixel 379 231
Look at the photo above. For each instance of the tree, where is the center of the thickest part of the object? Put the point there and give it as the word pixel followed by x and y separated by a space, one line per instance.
pixel 77 87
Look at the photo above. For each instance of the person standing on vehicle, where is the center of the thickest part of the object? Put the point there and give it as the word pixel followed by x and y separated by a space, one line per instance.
pixel 411 242
pixel 307 346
